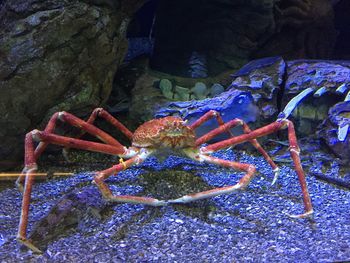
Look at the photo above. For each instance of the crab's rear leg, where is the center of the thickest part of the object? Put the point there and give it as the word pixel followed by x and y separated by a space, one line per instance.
pixel 30 168
pixel 293 148
pixel 100 112
pixel 74 121
pixel 206 117
pixel 233 123
pixel 243 182
pixel 106 191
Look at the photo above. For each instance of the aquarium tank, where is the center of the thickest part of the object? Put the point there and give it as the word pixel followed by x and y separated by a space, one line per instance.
pixel 175 131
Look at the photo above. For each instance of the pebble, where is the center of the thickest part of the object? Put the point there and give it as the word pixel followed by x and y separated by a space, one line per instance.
pixel 245 226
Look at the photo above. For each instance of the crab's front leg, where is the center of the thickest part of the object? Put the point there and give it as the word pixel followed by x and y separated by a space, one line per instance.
pixel 293 148
pixel 195 154
pixel 30 168
pixel 106 191
pixel 206 117
pixel 233 123
pixel 28 173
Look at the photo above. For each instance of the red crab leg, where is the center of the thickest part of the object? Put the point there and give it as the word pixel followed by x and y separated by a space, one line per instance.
pixel 78 144
pixel 31 167
pixel 29 170
pixel 243 182
pixel 100 112
pixel 89 128
pixel 107 193
pixel 207 116
pixel 39 149
pixel 74 121
pixel 225 127
pixel 294 152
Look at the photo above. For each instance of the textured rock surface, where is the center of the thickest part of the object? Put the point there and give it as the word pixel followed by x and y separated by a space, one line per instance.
pixel 304 29
pixel 56 55
pixel 302 74
pixel 263 79
pixel 145 98
pixel 227 34
pixel 338 116
pixel 231 104
pixel 222 33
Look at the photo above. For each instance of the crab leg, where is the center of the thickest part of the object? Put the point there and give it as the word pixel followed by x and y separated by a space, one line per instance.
pixel 106 191
pixel 78 144
pixel 28 171
pixel 74 121
pixel 30 168
pixel 85 126
pixel 243 182
pixel 207 116
pixel 39 149
pixel 89 128
pixel 223 128
pixel 294 152
pixel 100 112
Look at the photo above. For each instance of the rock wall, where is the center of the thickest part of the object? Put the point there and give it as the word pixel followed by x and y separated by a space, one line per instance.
pixel 221 35
pixel 56 55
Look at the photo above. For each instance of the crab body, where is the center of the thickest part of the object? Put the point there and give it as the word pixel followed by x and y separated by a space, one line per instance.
pixel 167 132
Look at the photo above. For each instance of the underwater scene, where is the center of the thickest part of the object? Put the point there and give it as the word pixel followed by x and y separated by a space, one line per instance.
pixel 175 131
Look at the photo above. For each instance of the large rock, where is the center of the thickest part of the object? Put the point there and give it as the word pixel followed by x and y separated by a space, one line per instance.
pixel 332 76
pixel 198 38
pixel 220 34
pixel 263 78
pixel 56 55
pixel 334 131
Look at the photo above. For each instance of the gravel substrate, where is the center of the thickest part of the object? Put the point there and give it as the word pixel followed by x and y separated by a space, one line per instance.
pixel 248 226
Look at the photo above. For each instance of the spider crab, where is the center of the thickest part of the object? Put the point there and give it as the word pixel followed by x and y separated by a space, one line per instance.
pixel 168 132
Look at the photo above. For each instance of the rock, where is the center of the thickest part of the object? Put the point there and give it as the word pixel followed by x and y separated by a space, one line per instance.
pixel 235 32
pixel 79 209
pixel 55 55
pixel 166 87
pixel 181 93
pixel 139 46
pixel 335 132
pixel 198 65
pixel 304 29
pixel 145 99
pixel 231 104
pixel 263 78
pixel 200 91
pixel 329 80
pixel 216 89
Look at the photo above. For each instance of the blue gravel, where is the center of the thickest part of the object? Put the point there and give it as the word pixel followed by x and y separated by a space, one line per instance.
pixel 247 226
